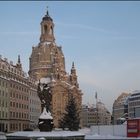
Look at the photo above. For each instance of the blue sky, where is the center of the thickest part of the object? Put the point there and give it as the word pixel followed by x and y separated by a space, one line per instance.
pixel 102 38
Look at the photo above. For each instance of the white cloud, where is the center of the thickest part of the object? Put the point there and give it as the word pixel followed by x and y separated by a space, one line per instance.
pixel 19 33
pixel 86 27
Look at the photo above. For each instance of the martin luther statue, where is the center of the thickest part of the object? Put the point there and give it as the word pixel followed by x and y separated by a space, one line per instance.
pixel 44 93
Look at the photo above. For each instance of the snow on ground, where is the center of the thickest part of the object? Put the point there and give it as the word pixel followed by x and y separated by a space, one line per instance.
pixel 86 131
pixel 32 134
pixel 90 136
pixel 96 136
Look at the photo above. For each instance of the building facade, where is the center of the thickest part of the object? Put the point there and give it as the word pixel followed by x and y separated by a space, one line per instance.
pixel 134 104
pixel 98 115
pixel 103 115
pixel 47 61
pixel 15 89
pixel 4 95
pixel 34 104
pixel 120 108
pixel 89 116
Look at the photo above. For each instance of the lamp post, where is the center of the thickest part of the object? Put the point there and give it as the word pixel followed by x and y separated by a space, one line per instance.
pixel 113 121
pixel 97 120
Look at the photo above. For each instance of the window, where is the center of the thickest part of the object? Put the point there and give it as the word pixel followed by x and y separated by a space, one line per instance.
pixel 14 94
pixel 10 114
pixel 13 104
pixel 16 114
pixel 13 114
pixel 19 115
pixel 45 29
pixel 2 113
pixel 17 105
pixel 6 115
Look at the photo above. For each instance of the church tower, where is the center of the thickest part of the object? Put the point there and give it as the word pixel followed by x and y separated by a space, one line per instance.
pixel 47 26
pixel 47 61
pixel 19 65
pixel 47 58
pixel 73 76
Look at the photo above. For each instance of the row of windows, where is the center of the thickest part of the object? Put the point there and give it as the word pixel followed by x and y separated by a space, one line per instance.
pixel 18 105
pixel 3 84
pixel 3 114
pixel 34 110
pixel 92 118
pixel 4 66
pixel 19 115
pixel 3 93
pixel 35 102
pixel 19 87
pixel 4 75
pixel 34 94
pixel 18 96
pixel 135 98
pixel 3 103
pixel 15 126
pixel 131 115
pixel 118 106
pixel 33 117
pixel 134 103
pixel 3 126
pixel 119 111
pixel 131 109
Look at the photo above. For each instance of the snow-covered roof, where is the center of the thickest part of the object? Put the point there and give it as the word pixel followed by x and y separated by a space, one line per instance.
pixel 45 115
pixel 44 80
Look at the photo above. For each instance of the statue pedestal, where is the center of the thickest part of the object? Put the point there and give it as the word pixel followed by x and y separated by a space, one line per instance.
pixel 45 121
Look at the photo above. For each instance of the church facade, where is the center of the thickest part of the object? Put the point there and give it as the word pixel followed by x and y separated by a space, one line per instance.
pixel 47 61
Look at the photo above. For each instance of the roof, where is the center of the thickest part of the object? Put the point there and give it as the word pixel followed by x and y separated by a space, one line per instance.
pixel 47 17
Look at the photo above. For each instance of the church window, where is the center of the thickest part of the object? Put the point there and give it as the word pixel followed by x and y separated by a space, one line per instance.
pixel 50 32
pixel 45 29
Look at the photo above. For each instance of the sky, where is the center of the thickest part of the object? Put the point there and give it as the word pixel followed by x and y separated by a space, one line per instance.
pixel 101 37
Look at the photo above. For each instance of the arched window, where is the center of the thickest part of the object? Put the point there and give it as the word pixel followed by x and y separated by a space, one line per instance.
pixel 45 29
pixel 51 30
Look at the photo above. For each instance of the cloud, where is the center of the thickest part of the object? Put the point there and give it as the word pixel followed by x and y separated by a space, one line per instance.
pixel 68 37
pixel 86 27
pixel 19 33
pixel 123 37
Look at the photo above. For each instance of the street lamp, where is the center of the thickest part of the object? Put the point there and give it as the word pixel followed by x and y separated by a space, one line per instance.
pixel 97 116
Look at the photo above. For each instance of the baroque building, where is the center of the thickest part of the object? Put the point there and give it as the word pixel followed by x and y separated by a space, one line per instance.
pixel 47 61
pixel 16 102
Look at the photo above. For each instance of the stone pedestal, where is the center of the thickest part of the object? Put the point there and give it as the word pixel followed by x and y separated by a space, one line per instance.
pixel 45 121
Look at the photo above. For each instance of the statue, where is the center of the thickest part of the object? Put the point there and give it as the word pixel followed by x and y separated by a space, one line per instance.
pixel 44 93
pixel 45 119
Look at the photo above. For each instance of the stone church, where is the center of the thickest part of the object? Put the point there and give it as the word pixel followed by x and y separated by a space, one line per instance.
pixel 47 61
